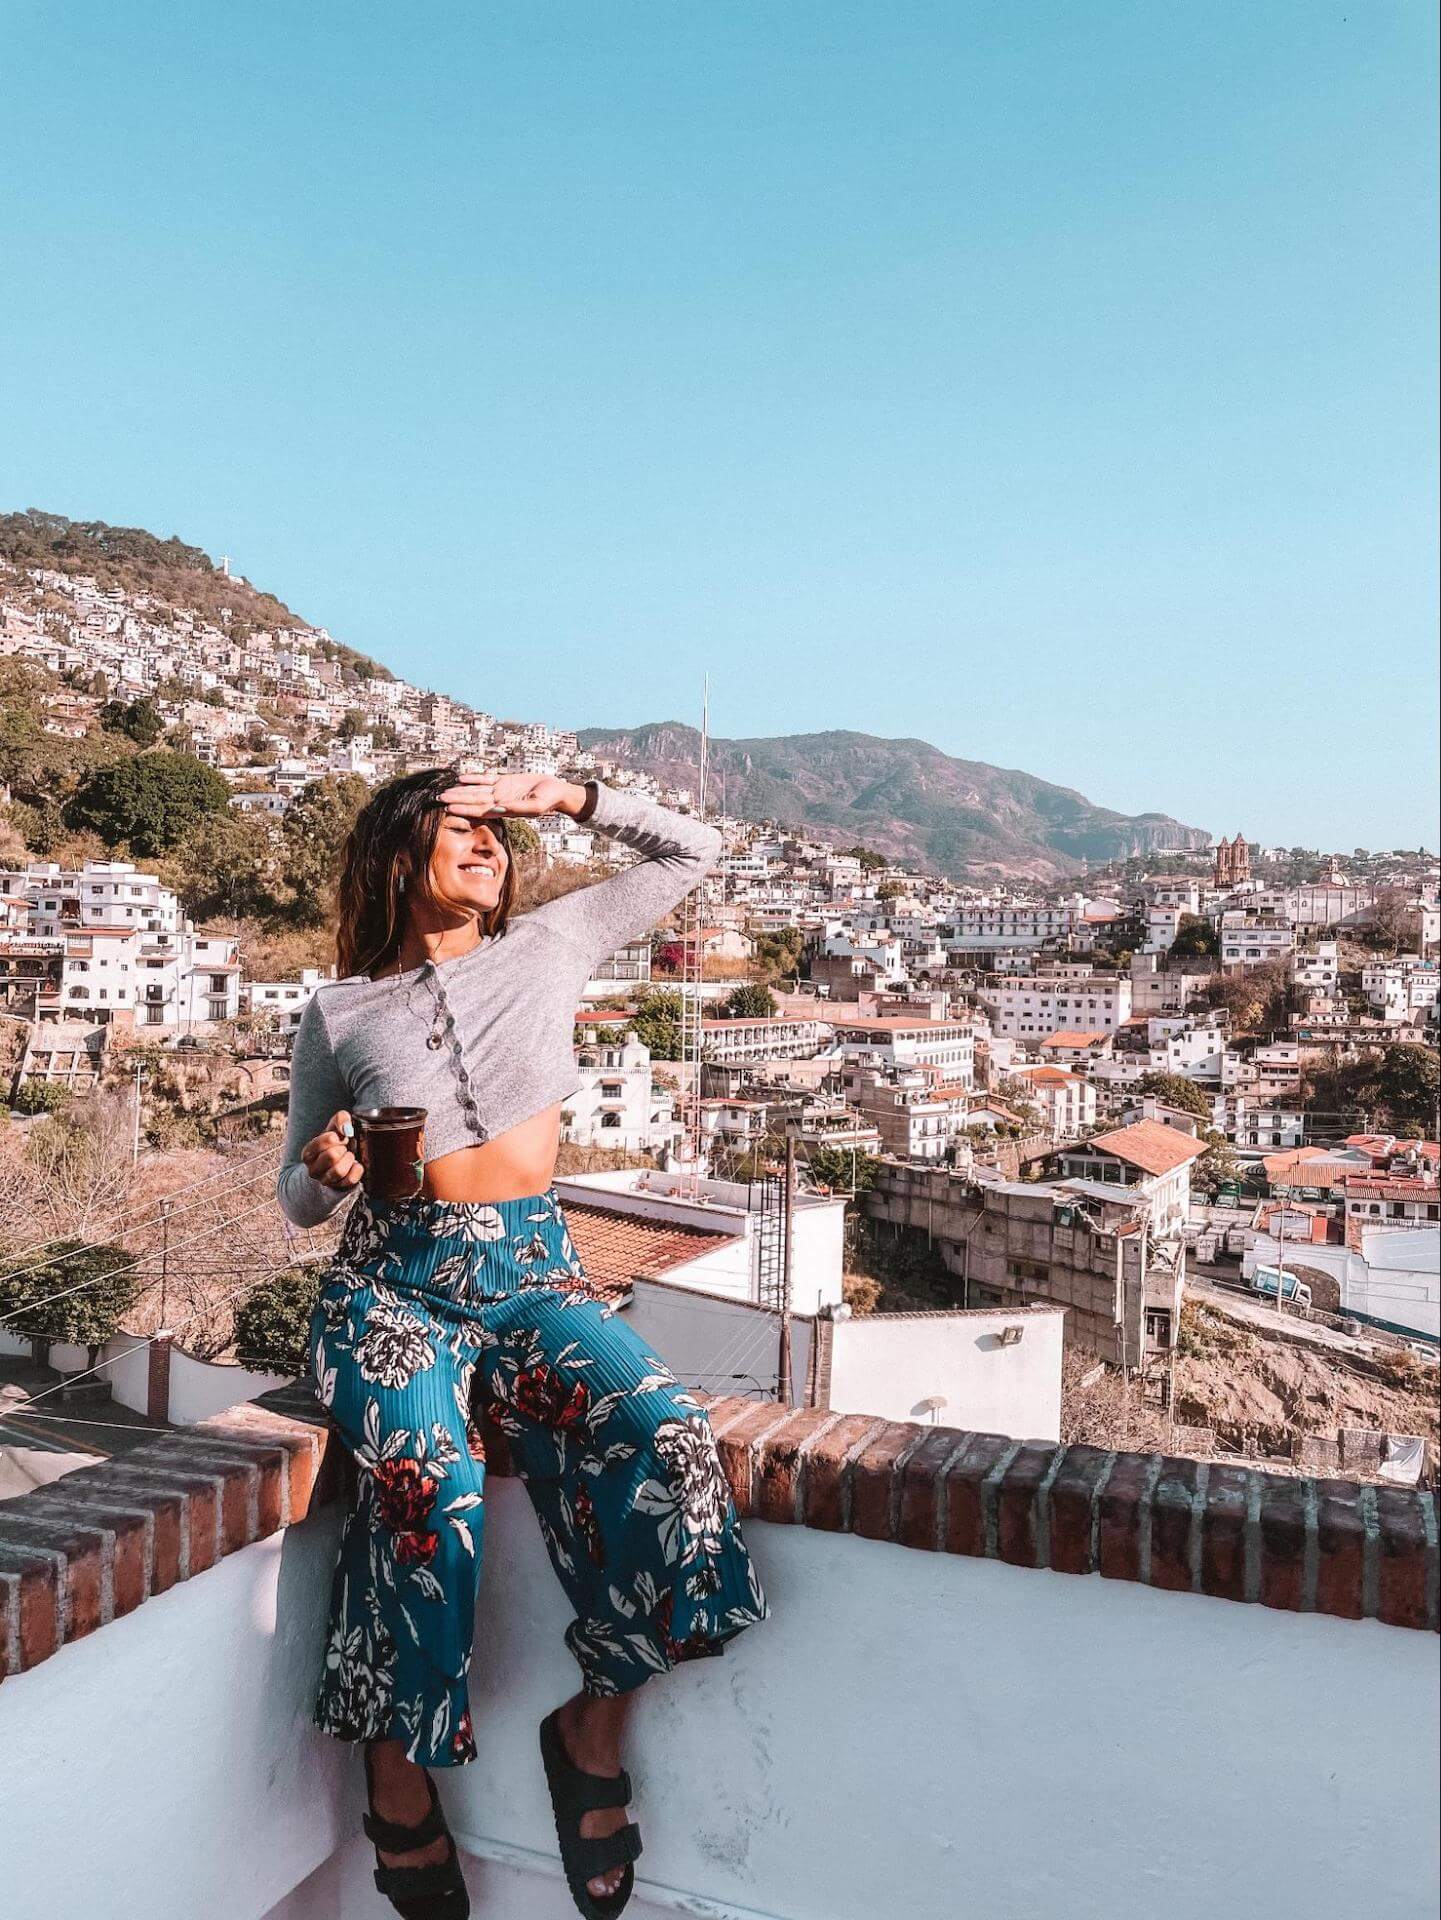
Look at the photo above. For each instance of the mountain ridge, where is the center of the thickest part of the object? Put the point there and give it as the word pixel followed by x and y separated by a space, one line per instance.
pixel 905 797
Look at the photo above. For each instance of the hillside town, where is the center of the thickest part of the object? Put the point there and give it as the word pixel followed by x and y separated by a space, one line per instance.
pixel 1198 1084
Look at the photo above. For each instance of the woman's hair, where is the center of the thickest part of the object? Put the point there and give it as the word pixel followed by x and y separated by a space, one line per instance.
pixel 386 860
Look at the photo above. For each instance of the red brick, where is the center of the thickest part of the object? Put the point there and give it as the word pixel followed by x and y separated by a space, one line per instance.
pixel 303 1443
pixel 1223 1532
pixel 264 1461
pixel 84 1551
pixel 1125 1510
pixel 828 1468
pixel 1071 1506
pixel 921 1495
pixel 1174 1518
pixel 1016 1503
pixel 1406 1562
pixel 776 1464
pixel 1283 1543
pixel 969 1503
pixel 30 1602
pixel 238 1481
pixel 198 1503
pixel 736 1440
pixel 1340 1549
pixel 875 1487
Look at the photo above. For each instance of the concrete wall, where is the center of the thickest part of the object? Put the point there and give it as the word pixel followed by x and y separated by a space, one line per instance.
pixel 912 1736
pixel 887 1363
pixel 198 1388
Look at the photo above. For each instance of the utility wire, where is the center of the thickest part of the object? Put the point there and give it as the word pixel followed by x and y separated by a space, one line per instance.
pixel 133 1226
pixel 64 1293
pixel 85 1373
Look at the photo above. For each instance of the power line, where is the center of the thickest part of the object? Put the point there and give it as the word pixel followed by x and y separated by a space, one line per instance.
pixel 258 1165
pixel 140 1345
pixel 64 1293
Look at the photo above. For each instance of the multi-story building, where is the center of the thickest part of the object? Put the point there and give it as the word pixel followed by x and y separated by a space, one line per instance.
pixel 628 966
pixel 1015 923
pixel 780 1036
pixel 946 1049
pixel 1251 939
pixel 616 1103
pixel 1033 1006
pixel 1151 1161
pixel 1402 990
pixel 1066 1100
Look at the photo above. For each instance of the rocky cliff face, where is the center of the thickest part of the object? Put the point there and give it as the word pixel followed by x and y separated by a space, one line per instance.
pixel 903 797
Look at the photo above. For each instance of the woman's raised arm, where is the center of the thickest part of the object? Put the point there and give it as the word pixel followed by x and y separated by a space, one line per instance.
pixel 676 852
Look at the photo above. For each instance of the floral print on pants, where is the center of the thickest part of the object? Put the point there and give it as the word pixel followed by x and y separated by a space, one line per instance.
pixel 430 1308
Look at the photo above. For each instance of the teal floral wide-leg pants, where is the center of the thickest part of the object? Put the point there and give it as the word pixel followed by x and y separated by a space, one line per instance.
pixel 431 1310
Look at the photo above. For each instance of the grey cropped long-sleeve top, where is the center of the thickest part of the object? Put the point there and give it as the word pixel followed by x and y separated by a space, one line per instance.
pixel 363 1042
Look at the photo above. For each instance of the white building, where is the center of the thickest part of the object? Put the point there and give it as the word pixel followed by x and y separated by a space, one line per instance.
pixel 1150 1161
pixel 285 999
pixel 1404 990
pixel 1015 923
pixel 616 1104
pixel 1251 939
pixel 1034 1006
pixel 945 1048
pixel 1067 1101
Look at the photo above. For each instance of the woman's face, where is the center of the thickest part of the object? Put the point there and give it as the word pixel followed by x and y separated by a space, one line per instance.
pixel 468 864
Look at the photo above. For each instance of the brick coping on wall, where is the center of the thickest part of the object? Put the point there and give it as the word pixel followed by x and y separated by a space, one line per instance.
pixel 99 1542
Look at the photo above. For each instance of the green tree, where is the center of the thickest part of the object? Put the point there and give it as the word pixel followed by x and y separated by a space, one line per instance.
pixel 843 1169
pixel 868 857
pixel 41 1096
pixel 890 890
pixel 1196 939
pixel 227 864
pixel 523 838
pixel 149 801
pixel 80 1294
pixel 352 722
pixel 657 1023
pixel 1176 1091
pixel 781 951
pixel 139 720
pixel 750 1001
pixel 1408 1081
pixel 313 834
pixel 272 1321
pixel 1217 1165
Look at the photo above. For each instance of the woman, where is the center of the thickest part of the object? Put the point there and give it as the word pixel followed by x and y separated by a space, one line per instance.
pixel 472 1293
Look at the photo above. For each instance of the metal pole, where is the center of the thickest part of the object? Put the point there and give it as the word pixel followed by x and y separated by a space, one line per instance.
pixel 135 1127
pixel 783 1382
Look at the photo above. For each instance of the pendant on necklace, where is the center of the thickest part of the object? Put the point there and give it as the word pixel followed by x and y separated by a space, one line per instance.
pixel 435 1039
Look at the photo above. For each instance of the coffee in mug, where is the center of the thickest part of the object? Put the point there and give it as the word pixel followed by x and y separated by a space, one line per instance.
pixel 390 1146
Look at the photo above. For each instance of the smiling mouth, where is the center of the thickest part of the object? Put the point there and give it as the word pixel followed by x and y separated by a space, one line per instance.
pixel 484 867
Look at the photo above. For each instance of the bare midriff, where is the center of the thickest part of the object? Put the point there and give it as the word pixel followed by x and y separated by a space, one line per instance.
pixel 516 1163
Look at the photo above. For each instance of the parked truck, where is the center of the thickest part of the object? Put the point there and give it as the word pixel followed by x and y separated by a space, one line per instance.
pixel 1271 1280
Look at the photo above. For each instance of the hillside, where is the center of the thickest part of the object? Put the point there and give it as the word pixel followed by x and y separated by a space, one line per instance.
pixel 168 571
pixel 903 797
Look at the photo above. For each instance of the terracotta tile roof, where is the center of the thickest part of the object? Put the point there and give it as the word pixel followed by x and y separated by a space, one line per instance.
pixel 1072 1038
pixel 1149 1145
pixel 615 1247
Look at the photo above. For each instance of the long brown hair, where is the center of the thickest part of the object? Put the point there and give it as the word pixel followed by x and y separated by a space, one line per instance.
pixel 387 853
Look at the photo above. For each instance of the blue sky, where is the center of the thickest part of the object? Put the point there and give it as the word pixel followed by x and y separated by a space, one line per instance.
pixel 1055 383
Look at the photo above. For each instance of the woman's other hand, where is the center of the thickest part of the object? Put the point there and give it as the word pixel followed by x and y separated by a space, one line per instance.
pixel 524 796
pixel 328 1157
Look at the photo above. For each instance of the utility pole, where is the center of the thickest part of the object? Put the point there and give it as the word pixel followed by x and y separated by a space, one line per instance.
pixel 135 1127
pixel 783 1368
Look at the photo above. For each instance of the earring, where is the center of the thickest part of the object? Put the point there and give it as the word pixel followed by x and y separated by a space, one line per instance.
pixel 400 884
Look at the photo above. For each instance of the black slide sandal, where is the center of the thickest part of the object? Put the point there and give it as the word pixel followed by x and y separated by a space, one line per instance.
pixel 573 1794
pixel 434 1892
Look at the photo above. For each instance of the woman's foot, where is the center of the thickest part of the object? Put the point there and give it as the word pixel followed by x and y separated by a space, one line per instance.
pixel 590 1732
pixel 400 1792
